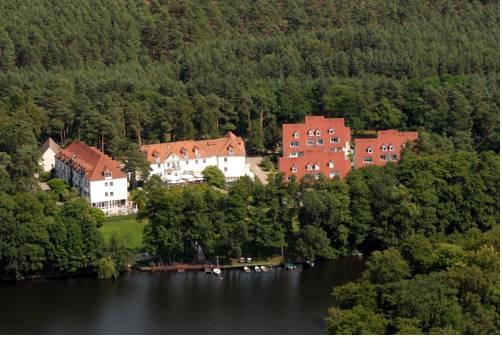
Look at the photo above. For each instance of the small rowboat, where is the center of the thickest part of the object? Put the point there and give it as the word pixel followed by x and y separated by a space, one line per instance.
pixel 257 269
pixel 247 270
pixel 263 268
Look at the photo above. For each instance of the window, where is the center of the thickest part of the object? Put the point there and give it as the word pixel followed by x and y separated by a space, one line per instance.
pixel 289 179
pixel 331 164
pixel 393 157
pixel 106 194
pixel 186 162
pixel 319 141
pixel 296 134
pixel 111 194
pixel 334 149
pixel 367 160
pixel 309 167
pixel 384 148
pixel 225 160
pixel 230 150
pixel 294 144
pixel 369 150
pixel 311 133
pixel 334 140
pixel 300 154
pixel 294 169
pixel 168 164
pixel 225 169
pixel 158 165
pixel 318 132
pixel 310 142
pixel 391 148
pixel 331 131
pixel 317 167
pixel 383 157
pixel 106 184
pixel 111 183
pixel 108 174
pixel 203 160
pixel 334 174
pixel 294 154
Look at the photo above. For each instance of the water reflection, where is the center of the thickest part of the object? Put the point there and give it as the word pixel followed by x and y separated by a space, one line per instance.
pixel 278 301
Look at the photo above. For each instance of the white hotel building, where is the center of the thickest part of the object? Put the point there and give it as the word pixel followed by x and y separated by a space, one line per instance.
pixel 98 177
pixel 184 161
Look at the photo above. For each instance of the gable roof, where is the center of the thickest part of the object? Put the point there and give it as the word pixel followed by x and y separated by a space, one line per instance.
pixel 90 161
pixel 204 148
pixel 50 144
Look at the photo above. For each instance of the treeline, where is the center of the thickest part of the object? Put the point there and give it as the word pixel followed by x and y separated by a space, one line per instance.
pixel 40 238
pixel 437 285
pixel 374 208
pixel 117 73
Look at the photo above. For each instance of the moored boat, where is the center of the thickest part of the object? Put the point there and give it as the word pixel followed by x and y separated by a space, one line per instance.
pixel 257 269
pixel 247 270
pixel 289 266
pixel 308 264
pixel 217 270
pixel 263 268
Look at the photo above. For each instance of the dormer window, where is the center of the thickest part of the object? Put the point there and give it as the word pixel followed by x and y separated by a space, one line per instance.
pixel 296 134
pixel 294 169
pixel 107 173
pixel 384 148
pixel 309 167
pixel 230 150
pixel 391 148
pixel 331 164
pixel 156 156
pixel 318 132
pixel 369 150
pixel 317 167
pixel 331 131
pixel 311 133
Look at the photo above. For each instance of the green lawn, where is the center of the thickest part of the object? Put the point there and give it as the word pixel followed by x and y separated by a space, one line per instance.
pixel 127 228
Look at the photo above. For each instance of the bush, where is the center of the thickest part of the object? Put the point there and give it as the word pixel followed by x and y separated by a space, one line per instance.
pixel 106 269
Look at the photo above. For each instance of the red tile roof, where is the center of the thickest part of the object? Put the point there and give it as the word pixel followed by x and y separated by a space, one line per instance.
pixel 387 143
pixel 340 164
pixel 205 148
pixel 314 124
pixel 89 160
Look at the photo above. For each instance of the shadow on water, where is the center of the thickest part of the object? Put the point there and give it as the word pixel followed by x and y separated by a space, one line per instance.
pixel 274 302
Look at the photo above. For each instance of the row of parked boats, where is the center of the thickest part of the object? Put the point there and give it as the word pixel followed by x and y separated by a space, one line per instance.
pixel 259 269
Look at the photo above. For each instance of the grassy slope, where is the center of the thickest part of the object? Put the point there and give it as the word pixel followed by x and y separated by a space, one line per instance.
pixel 127 228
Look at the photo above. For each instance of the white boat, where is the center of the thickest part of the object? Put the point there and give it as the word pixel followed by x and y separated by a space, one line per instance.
pixel 247 270
pixel 257 269
pixel 263 268
pixel 217 270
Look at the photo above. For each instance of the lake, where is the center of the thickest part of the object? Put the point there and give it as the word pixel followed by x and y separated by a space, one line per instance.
pixel 274 302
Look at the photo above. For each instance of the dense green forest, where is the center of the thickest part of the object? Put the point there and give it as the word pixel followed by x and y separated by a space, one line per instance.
pixel 374 208
pixel 121 73
pixel 438 285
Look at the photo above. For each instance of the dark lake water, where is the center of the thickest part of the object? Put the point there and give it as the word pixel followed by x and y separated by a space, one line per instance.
pixel 275 302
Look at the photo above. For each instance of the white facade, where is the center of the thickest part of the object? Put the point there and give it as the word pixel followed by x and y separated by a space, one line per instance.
pixel 48 160
pixel 176 170
pixel 108 194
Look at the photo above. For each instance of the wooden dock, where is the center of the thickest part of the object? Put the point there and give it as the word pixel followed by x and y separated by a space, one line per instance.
pixel 206 268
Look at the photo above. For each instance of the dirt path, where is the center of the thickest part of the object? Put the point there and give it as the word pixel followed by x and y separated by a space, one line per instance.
pixel 257 170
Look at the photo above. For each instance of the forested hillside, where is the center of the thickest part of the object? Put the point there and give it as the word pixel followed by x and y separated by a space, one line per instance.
pixel 121 73
pixel 125 72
